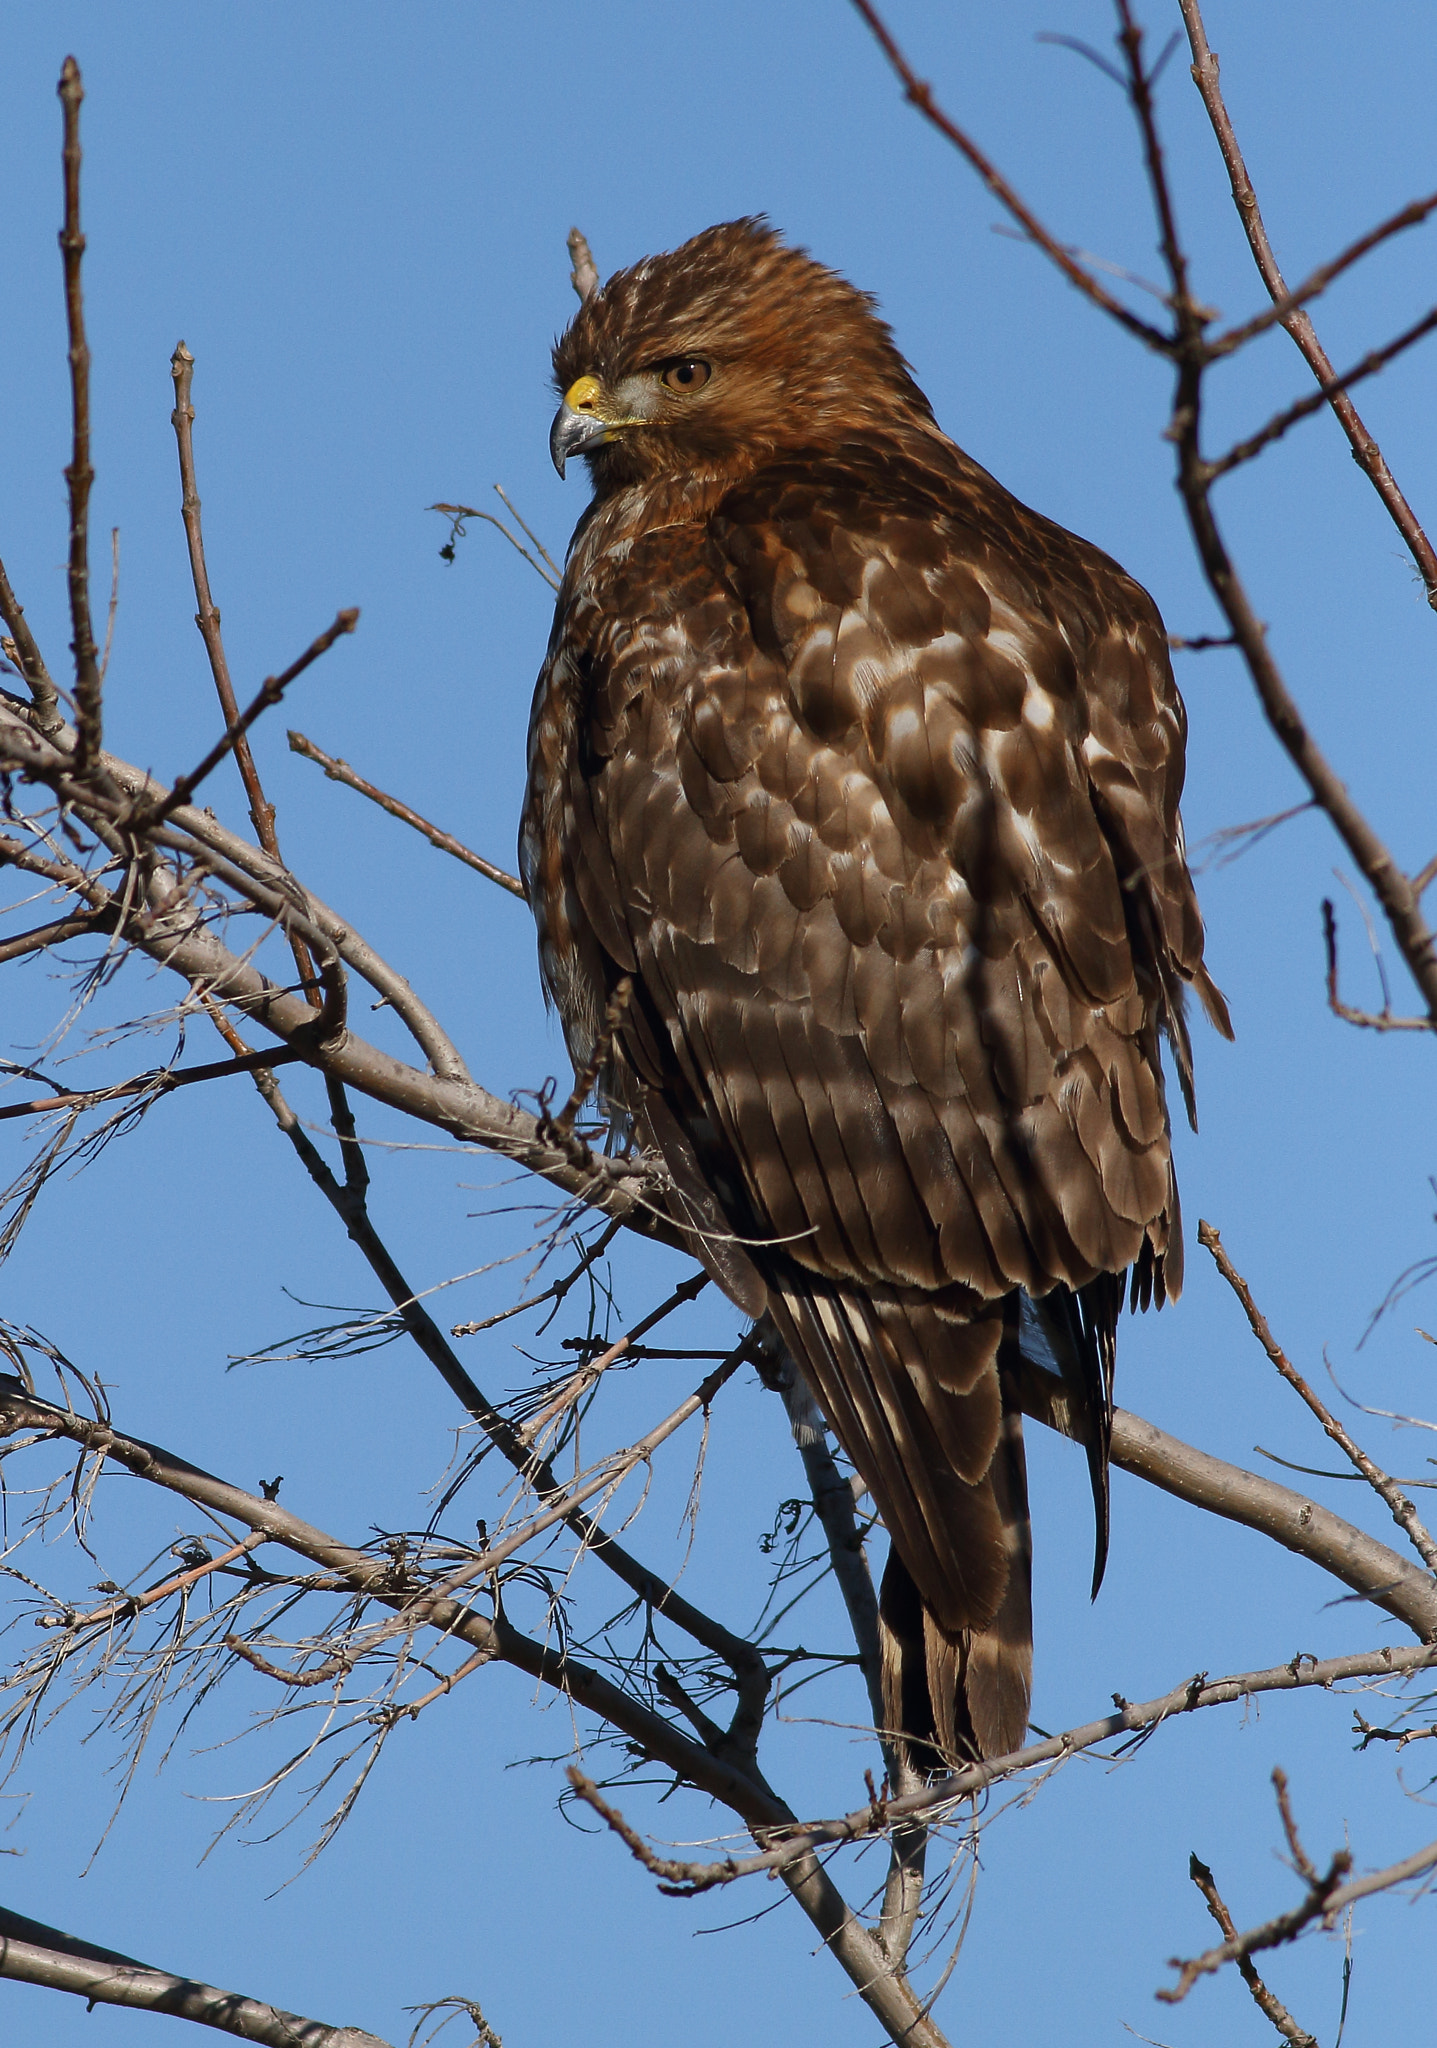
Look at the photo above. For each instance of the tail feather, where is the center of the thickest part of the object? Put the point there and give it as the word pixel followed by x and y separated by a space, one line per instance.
pixel 918 1401
pixel 957 1694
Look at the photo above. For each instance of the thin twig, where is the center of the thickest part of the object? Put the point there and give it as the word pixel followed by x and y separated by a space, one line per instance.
pixel 79 474
pixel 1401 1736
pixel 1297 322
pixel 1267 2002
pixel 131 1604
pixel 271 690
pixel 595 1368
pixel 340 771
pixel 1370 1020
pixel 160 1081
pixel 22 650
pixel 1376 359
pixel 457 514
pixel 920 95
pixel 207 618
pixel 1324 1900
pixel 937 1799
pixel 114 600
pixel 1402 1511
pixel 348 1201
pixel 555 1293
pixel 1302 1862
pixel 722 1777
pixel 1318 280
pixel 522 522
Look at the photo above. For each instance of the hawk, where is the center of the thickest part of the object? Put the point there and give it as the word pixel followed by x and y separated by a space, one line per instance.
pixel 852 838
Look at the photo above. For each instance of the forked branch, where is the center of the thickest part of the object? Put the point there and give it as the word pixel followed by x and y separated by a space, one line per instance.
pixel 1295 318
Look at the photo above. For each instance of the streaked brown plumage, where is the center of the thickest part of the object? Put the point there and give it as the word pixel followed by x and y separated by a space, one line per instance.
pixel 868 778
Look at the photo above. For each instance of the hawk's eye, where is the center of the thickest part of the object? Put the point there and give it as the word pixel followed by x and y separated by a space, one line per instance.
pixel 688 374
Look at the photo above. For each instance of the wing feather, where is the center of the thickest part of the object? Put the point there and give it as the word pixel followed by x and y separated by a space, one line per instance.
pixel 871 780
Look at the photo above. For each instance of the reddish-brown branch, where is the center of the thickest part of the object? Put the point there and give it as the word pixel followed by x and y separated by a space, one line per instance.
pixel 1326 1896
pixel 1389 885
pixel 340 771
pixel 270 691
pixel 1317 281
pixel 79 475
pixel 1296 321
pixel 920 95
pixel 207 618
pixel 1376 359
pixel 22 650
pixel 1266 2001
pixel 129 1604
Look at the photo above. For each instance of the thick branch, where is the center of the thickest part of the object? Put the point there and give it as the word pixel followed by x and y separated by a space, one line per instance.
pixel 34 1954
pixel 1298 1524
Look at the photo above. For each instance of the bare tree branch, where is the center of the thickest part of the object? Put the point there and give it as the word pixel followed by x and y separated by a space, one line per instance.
pixel 340 771
pixel 1402 1511
pixel 936 1800
pixel 1296 321
pixel 1299 1524
pixel 1376 359
pixel 31 1953
pixel 1266 2001
pixel 21 649
pixel 1370 1020
pixel 742 1790
pixel 162 1081
pixel 1317 281
pixel 207 618
pixel 271 690
pixel 920 95
pixel 79 474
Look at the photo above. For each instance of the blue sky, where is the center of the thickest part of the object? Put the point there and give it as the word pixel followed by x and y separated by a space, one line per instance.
pixel 355 217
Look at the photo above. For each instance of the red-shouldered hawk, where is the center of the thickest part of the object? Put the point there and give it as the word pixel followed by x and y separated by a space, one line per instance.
pixel 866 777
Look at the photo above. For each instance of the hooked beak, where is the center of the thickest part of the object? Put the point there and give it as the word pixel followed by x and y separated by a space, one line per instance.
pixel 577 426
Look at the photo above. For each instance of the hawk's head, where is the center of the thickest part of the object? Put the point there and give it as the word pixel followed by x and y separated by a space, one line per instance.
pixel 720 355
